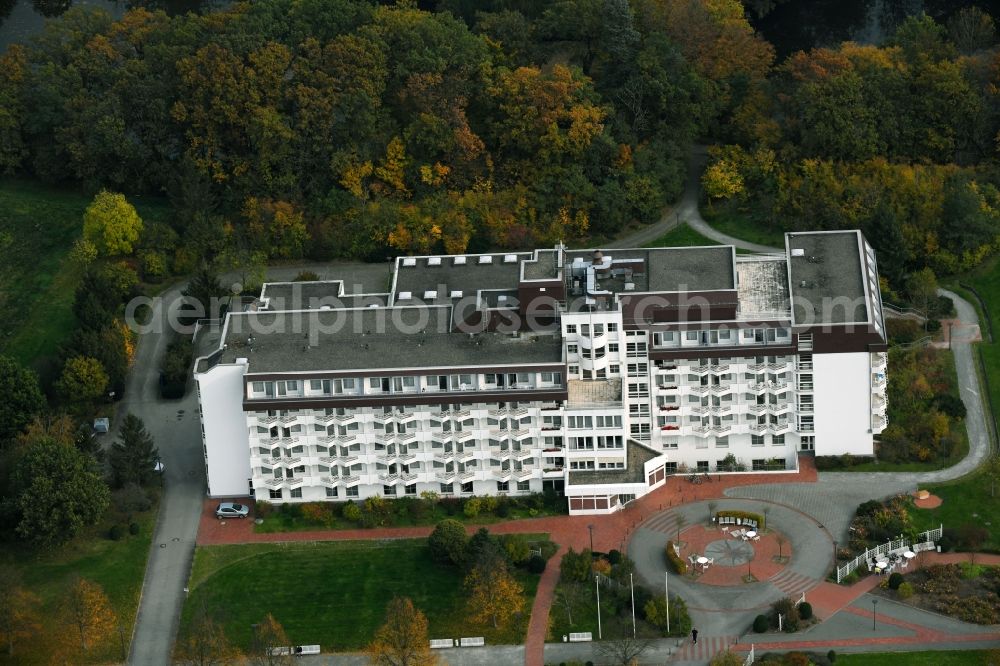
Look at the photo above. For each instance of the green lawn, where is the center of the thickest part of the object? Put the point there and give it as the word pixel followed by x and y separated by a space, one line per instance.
pixel 682 236
pixel 38 226
pixel 335 593
pixel 742 224
pixel 117 566
pixel 926 658
pixel 963 498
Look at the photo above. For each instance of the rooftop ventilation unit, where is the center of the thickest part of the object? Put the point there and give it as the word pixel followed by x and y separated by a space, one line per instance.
pixel 409 261
pixel 456 294
pixel 404 296
pixel 501 299
pixel 430 295
pixel 798 252
pixel 459 261
pixel 510 258
pixel 434 261
pixel 486 259
pixel 630 286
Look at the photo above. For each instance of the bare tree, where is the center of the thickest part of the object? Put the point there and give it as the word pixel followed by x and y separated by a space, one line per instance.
pixel 781 542
pixel 712 506
pixel 569 597
pixel 270 646
pixel 624 650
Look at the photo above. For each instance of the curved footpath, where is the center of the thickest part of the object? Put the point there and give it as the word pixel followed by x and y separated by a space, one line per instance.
pixel 686 210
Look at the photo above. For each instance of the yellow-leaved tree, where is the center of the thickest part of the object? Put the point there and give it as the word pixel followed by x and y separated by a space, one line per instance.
pixel 88 613
pixel 494 595
pixel 402 640
pixel 111 224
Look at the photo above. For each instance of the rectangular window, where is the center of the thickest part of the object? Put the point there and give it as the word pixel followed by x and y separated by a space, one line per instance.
pixel 276 493
pixel 296 493
pixel 389 491
pixel 352 491
pixel 691 335
pixel 612 347
pixel 331 492
pixel 258 387
pixel 503 486
pixel 612 327
pixel 778 440
pixel 571 329
pixel 447 488
pixel 523 486
pixel 757 440
pixel 467 488
pixel 572 349
pixel 411 489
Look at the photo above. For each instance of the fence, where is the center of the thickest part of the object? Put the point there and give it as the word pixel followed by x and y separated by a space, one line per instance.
pixel 608 582
pixel 922 540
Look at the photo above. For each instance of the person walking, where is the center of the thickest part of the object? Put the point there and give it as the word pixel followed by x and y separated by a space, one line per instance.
pixel 694 636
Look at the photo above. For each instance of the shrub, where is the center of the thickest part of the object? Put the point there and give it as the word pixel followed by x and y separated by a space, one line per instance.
pixel 503 508
pixel 132 499
pixel 352 512
pixel 895 580
pixel 831 656
pixel 790 614
pixel 805 610
pixel 516 547
pixel 905 591
pixel 487 504
pixel 154 266
pixel 116 533
pixel 291 510
pixel 263 509
pixel 472 506
pixel 316 512
pixel 602 566
pixel 536 564
pixel 761 624
pixel 614 556
pixel 448 541
pixel 306 276
pixel 743 515
pixel 575 567
pixel 679 565
pixel 451 505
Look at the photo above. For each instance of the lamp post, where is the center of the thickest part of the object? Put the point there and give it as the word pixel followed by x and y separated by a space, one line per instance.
pixel 633 604
pixel 874 603
pixel 591 528
pixel 666 596
pixel 597 584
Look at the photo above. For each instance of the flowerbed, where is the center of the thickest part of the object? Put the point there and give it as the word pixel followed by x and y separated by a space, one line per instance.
pixel 967 592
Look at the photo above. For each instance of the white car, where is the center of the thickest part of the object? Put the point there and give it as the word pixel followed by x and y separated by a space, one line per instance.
pixel 232 510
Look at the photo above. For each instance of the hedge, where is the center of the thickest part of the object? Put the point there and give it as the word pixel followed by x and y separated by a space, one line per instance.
pixel 743 516
pixel 680 566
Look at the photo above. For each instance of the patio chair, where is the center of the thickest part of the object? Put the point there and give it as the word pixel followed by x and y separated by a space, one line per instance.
pixel 692 559
pixel 736 534
pixel 756 537
pixel 711 560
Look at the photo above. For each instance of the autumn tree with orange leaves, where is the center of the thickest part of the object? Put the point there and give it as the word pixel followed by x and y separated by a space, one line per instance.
pixel 87 614
pixel 402 640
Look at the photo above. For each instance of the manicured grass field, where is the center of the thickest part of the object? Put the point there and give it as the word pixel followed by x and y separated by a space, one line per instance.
pixel 926 658
pixel 963 499
pixel 335 593
pixel 117 566
pixel 744 225
pixel 38 226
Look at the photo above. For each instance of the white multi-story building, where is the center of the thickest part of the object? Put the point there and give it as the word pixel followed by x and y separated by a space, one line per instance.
pixel 597 374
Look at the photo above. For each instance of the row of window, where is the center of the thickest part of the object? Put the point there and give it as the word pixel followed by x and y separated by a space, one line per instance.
pixel 402 384
pixel 720 336
pixel 411 490
pixel 585 329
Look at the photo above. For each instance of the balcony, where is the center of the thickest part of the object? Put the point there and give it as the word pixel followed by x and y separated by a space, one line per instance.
pixel 444 476
pixel 382 417
pixel 721 428
pixel 878 423
pixel 467 475
pixel 552 472
pixel 388 479
pixel 757 408
pixel 878 380
pixel 465 455
pixel 756 367
pixel 288 418
pixel 523 473
pixel 670 427
pixel 700 409
pixel 720 368
pixel 721 388
pixel 669 408
pixel 267 420
pixel 327 460
pixel 667 387
pixel 700 389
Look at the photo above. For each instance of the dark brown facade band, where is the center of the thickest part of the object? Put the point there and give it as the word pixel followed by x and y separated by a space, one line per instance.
pixel 465 397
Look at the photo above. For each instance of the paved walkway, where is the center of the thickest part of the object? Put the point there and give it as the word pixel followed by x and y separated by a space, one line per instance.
pixel 174 426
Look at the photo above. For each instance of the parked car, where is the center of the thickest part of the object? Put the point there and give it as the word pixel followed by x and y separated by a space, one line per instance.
pixel 232 510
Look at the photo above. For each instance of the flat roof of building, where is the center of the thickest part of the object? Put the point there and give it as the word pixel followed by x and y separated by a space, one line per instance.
pixel 373 338
pixel 705 268
pixel 634 472
pixel 825 277
pixel 418 276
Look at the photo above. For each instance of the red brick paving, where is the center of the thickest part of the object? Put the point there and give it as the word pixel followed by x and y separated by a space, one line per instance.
pixel 610 531
pixel 930 502
pixel 763 565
